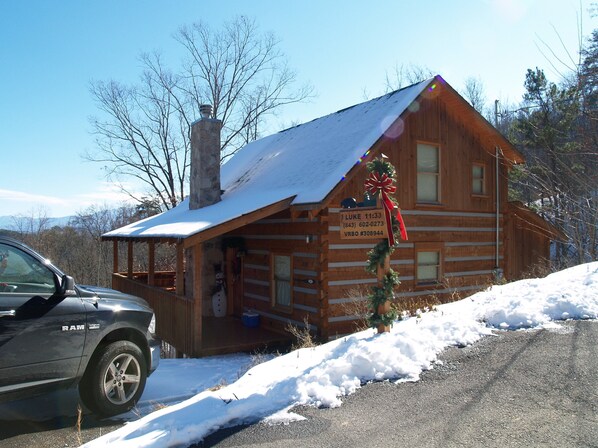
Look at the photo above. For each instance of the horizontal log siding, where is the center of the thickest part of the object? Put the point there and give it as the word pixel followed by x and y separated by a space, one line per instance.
pixel 463 225
pixel 468 262
pixel 282 234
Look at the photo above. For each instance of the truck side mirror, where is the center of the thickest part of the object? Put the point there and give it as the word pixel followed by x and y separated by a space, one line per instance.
pixel 67 286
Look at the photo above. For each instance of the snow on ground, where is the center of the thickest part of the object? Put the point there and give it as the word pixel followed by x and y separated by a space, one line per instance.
pixel 179 379
pixel 321 376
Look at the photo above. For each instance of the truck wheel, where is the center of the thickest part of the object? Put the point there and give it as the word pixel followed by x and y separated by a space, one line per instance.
pixel 114 379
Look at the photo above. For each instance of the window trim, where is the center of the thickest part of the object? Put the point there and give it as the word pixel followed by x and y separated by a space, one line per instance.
pixel 274 304
pixel 429 247
pixel 438 175
pixel 484 179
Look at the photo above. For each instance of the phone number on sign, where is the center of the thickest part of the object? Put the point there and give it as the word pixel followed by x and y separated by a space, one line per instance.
pixel 372 233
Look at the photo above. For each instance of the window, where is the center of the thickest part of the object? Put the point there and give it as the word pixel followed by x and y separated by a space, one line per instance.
pixel 21 273
pixel 428 173
pixel 478 179
pixel 428 266
pixel 282 282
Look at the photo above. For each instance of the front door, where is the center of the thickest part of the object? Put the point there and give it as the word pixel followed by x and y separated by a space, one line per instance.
pixel 234 281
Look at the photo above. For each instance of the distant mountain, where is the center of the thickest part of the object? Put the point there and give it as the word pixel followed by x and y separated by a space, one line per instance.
pixel 8 222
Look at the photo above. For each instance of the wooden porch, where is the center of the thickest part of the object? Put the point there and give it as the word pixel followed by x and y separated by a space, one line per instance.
pixel 222 335
pixel 176 323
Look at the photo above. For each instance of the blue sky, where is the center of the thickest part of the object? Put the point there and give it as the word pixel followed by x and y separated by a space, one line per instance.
pixel 50 51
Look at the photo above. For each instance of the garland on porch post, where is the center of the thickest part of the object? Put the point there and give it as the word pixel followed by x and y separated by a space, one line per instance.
pixel 380 181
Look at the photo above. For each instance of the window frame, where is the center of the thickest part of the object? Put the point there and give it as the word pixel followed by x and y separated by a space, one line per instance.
pixel 429 247
pixel 437 174
pixel 483 179
pixel 274 302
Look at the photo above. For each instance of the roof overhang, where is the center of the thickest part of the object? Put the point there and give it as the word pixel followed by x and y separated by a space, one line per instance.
pixel 490 137
pixel 535 221
pixel 211 232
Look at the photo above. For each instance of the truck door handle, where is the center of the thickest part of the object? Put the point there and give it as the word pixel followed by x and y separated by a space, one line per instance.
pixel 7 313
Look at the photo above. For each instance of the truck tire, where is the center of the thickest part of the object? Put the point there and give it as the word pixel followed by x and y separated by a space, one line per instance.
pixel 114 379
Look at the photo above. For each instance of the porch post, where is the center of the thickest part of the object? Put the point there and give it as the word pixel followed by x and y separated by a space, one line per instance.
pixel 130 259
pixel 197 302
pixel 180 270
pixel 385 307
pixel 151 262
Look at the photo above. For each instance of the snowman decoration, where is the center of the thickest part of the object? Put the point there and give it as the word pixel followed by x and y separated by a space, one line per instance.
pixel 219 297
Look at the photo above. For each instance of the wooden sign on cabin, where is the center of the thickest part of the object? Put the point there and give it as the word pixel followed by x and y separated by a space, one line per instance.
pixel 362 223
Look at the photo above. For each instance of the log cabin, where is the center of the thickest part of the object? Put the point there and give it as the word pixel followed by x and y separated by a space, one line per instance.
pixel 264 229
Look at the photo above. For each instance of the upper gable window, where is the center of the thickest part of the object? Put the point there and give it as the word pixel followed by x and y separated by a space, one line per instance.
pixel 428 173
pixel 478 179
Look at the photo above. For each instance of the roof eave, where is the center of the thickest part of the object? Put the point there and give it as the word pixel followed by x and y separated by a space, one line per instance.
pixel 493 138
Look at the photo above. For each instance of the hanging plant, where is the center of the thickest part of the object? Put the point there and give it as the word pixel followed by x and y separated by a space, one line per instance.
pixel 381 182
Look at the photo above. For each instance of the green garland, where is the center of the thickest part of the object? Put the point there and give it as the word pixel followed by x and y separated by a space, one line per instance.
pixel 380 294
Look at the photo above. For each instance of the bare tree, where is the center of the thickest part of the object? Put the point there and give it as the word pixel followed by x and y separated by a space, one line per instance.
pixel 143 133
pixel 557 135
pixel 557 129
pixel 404 75
pixel 31 227
pixel 243 74
pixel 91 260
pixel 474 93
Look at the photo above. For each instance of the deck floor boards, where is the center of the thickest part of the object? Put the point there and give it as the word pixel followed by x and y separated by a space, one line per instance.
pixel 228 335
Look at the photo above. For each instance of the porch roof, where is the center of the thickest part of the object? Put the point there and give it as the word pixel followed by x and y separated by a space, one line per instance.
pixel 535 221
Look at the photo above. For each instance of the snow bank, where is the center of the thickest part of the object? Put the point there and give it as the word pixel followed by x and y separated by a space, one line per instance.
pixel 568 294
pixel 323 375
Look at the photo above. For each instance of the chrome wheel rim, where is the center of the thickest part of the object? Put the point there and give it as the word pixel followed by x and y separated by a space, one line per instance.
pixel 121 379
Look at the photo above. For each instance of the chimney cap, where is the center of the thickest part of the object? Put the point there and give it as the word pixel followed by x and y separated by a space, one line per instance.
pixel 205 110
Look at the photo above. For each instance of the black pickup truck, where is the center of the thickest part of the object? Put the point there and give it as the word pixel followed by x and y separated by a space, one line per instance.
pixel 56 334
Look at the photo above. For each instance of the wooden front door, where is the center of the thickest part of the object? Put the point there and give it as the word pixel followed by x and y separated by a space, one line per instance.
pixel 234 281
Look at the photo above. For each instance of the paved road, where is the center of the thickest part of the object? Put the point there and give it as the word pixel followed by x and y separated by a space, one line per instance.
pixel 517 389
pixel 27 423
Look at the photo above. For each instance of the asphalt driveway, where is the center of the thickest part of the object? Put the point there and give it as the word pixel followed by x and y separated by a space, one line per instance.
pixel 517 389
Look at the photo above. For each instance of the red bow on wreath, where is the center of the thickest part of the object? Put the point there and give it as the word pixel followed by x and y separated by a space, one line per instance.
pixel 383 184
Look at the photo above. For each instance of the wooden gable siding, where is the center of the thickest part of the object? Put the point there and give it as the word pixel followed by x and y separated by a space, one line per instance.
pixel 463 226
pixel 301 238
pixel 527 245
pixel 526 249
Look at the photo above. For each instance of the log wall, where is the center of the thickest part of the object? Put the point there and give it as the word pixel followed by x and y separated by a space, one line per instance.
pixel 301 238
pixel 462 227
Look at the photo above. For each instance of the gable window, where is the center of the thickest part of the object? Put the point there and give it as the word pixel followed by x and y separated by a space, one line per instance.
pixel 478 179
pixel 428 266
pixel 282 281
pixel 428 173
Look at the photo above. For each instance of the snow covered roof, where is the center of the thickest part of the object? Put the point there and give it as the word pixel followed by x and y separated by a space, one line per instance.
pixel 302 164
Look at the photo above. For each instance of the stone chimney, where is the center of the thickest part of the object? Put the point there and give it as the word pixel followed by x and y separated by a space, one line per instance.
pixel 204 188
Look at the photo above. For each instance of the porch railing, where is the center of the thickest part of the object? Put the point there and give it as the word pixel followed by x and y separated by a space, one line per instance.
pixel 174 314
